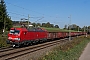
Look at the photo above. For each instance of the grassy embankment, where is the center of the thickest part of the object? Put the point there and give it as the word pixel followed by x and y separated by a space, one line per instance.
pixel 57 30
pixel 69 51
pixel 3 40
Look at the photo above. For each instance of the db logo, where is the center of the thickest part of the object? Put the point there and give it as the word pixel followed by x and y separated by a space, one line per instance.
pixel 9 38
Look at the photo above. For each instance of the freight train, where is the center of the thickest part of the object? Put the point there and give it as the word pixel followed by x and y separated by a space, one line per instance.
pixel 26 36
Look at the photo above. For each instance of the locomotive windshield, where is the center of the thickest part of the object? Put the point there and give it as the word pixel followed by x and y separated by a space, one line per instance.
pixel 14 31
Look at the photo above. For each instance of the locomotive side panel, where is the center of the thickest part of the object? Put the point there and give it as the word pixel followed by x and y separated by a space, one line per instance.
pixel 33 36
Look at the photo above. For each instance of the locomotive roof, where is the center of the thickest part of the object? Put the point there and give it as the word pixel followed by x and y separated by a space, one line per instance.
pixel 28 29
pixel 35 29
pixel 23 29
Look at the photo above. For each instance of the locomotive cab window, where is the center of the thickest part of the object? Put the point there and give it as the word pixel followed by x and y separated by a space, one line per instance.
pixel 14 31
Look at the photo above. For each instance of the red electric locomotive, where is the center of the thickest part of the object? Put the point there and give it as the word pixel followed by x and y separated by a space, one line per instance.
pixel 24 36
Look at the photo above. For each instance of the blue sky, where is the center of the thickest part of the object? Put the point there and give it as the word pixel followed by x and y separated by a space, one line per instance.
pixel 53 11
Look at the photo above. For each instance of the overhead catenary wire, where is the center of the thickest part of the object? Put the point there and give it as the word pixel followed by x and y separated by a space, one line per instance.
pixel 21 15
pixel 39 19
pixel 29 10
pixel 24 8
pixel 17 14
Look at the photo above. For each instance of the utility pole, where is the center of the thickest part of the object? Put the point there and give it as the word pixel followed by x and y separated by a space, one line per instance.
pixel 4 26
pixel 84 29
pixel 69 28
pixel 78 28
pixel 28 20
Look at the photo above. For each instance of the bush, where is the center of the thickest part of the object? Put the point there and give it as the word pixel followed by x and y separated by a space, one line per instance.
pixel 3 41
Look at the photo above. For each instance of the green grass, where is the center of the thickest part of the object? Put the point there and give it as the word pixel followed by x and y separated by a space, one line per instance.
pixel 3 41
pixel 57 30
pixel 16 26
pixel 71 51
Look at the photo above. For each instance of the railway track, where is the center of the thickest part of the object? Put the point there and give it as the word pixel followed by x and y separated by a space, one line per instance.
pixel 6 49
pixel 11 53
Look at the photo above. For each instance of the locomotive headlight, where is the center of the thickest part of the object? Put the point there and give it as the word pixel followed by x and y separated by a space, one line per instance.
pixel 17 39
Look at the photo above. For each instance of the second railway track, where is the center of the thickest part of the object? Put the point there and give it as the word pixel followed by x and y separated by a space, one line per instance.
pixel 14 53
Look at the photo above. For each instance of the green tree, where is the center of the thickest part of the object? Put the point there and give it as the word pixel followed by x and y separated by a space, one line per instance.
pixel 38 25
pixel 5 21
pixel 51 25
pixel 48 24
pixel 88 27
pixel 43 24
pixel 74 27
pixel 2 13
pixel 56 26
pixel 8 23
pixel 65 27
pixel 85 28
pixel 34 24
